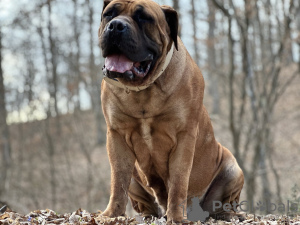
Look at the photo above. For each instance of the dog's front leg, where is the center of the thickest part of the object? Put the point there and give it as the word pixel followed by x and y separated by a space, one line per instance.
pixel 180 165
pixel 122 162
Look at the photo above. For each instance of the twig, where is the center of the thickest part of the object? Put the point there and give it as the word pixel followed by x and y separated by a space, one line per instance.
pixel 3 209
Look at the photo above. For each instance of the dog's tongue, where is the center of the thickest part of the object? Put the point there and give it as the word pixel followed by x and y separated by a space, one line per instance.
pixel 118 63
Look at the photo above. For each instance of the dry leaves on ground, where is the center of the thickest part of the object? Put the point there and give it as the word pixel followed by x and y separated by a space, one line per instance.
pixel 82 217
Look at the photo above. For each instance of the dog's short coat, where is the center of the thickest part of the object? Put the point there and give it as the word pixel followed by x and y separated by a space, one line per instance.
pixel 160 140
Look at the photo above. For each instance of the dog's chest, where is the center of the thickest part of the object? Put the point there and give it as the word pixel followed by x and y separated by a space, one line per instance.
pixel 152 144
pixel 154 136
pixel 145 130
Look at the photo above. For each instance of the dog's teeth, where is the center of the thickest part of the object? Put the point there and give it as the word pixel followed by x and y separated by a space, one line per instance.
pixel 138 72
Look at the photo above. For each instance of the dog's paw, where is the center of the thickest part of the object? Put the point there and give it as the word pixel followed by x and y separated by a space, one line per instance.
pixel 174 220
pixel 111 213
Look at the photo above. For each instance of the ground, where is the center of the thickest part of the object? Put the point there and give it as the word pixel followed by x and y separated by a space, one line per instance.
pixel 81 217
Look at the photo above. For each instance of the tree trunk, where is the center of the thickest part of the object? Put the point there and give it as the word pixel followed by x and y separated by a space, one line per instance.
pixel 51 153
pixel 195 39
pixel 258 91
pixel 76 70
pixel 4 131
pixel 212 61
pixel 95 87
pixel 53 107
pixel 176 7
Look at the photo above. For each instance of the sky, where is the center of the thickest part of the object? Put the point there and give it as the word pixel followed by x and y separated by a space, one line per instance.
pixel 6 7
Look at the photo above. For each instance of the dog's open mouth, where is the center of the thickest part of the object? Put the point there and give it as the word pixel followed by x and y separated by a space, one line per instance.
pixel 120 64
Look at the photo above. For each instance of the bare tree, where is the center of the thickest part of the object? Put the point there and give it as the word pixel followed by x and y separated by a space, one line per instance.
pixel 212 59
pixel 52 108
pixel 53 80
pixel 4 130
pixel 44 169
pixel 177 8
pixel 51 155
pixel 76 76
pixel 195 38
pixel 259 90
pixel 95 84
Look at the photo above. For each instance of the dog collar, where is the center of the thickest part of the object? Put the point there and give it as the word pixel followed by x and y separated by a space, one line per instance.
pixel 116 82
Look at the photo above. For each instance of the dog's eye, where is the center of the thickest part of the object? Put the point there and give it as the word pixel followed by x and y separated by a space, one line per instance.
pixel 142 17
pixel 109 14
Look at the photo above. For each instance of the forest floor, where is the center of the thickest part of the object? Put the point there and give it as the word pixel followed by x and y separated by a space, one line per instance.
pixel 83 217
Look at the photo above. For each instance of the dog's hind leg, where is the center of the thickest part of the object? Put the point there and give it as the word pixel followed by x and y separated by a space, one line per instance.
pixel 222 198
pixel 142 201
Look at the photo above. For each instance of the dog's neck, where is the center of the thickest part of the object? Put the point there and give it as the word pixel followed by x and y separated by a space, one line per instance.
pixel 161 69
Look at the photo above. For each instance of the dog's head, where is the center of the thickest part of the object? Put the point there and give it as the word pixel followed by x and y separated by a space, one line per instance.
pixel 135 37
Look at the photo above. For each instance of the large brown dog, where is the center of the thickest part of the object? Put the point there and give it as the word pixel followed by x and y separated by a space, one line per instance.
pixel 160 140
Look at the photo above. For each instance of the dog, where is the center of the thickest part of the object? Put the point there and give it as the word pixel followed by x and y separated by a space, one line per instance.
pixel 160 140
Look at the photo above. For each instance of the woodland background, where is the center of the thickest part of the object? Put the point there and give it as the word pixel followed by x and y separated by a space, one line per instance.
pixel 52 132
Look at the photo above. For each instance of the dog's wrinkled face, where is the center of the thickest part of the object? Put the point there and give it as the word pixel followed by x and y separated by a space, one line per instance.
pixel 133 36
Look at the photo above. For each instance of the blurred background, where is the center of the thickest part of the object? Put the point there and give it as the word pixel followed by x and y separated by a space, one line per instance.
pixel 52 131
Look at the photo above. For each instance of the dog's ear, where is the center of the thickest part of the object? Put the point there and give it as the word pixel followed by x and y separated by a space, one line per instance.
pixel 172 20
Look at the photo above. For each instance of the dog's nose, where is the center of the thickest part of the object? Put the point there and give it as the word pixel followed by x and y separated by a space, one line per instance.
pixel 117 26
